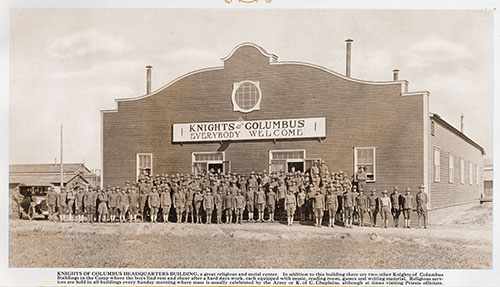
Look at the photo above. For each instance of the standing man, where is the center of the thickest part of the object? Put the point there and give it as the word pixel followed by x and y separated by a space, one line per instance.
pixel 189 202
pixel 133 204
pixel 281 193
pixel 301 203
pixel 239 206
pixel 89 202
pixel 124 204
pixel 208 205
pixel 331 206
pixel 154 204
pixel 362 206
pixel 228 206
pixel 361 178
pixel 385 207
pixel 165 202
pixel 290 206
pixel 271 204
pixel 114 202
pixel 198 199
pixel 70 203
pixel 179 200
pixel 396 211
pixel 421 199
pixel 143 199
pixel 79 205
pixel 102 209
pixel 349 203
pixel 373 207
pixel 318 208
pixel 52 203
pixel 61 204
pixel 218 200
pixel 260 201
pixel 250 199
pixel 407 205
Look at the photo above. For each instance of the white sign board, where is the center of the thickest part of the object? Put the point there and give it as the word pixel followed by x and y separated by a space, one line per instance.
pixel 250 130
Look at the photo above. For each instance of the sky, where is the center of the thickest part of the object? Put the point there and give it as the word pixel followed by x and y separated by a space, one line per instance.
pixel 68 64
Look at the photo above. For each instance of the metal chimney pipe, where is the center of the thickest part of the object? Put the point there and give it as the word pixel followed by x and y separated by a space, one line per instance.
pixel 462 123
pixel 148 79
pixel 395 74
pixel 348 57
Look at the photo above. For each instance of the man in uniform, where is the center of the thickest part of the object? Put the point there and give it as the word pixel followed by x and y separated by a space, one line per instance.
pixel 102 209
pixel 331 206
pixel 154 204
pixel 114 202
pixel 373 207
pixel 52 203
pixel 228 206
pixel 133 204
pixel 124 204
pixel 407 205
pixel 361 178
pixel 362 206
pixel 260 202
pixel 301 202
pixel 421 199
pixel 318 208
pixel 208 205
pixel 89 202
pixel 198 199
pixel 188 207
pixel 290 206
pixel 396 211
pixel 70 201
pixel 349 203
pixel 281 193
pixel 79 205
pixel 143 198
pixel 62 205
pixel 239 206
pixel 385 207
pixel 250 199
pixel 179 201
pixel 218 200
pixel 271 204
pixel 165 202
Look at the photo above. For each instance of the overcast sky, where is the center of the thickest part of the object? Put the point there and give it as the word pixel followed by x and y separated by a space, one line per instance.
pixel 68 64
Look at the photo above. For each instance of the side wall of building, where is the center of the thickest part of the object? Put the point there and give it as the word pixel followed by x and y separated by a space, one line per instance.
pixel 446 190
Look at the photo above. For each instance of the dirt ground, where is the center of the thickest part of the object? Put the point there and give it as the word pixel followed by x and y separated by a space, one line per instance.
pixel 459 238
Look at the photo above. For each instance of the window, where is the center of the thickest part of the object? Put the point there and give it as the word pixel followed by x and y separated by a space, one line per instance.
pixel 246 96
pixel 462 171
pixel 437 161
pixel 470 172
pixel 451 168
pixel 144 165
pixel 205 161
pixel 365 156
pixel 477 174
pixel 286 159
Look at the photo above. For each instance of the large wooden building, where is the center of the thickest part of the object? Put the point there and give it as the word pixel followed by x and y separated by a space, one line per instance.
pixel 256 113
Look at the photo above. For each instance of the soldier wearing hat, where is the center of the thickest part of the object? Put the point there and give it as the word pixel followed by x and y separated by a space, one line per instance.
pixel 407 204
pixel 421 199
pixel 89 202
pixel 239 206
pixel 62 205
pixel 362 207
pixel 290 206
pixel 271 204
pixel 361 178
pixel 228 206
pixel 114 203
pixel 124 204
pixel 133 204
pixel 218 200
pixel 373 203
pixel 331 205
pixel 188 207
pixel 396 208
pixel 154 204
pixel 102 209
pixel 349 203
pixel 301 202
pixel 79 205
pixel 318 208
pixel 179 201
pixel 281 194
pixel 70 203
pixel 385 207
pixel 165 202
pixel 143 200
pixel 260 202
pixel 208 205
pixel 198 199
pixel 250 199
pixel 51 202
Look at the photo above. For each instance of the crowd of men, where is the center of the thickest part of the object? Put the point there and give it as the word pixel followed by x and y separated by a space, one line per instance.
pixel 216 197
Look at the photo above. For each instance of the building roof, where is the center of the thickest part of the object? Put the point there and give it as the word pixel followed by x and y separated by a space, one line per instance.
pixel 46 168
pixel 42 180
pixel 451 128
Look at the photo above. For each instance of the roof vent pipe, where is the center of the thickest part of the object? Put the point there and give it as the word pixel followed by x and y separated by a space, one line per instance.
pixel 348 57
pixel 395 74
pixel 148 79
